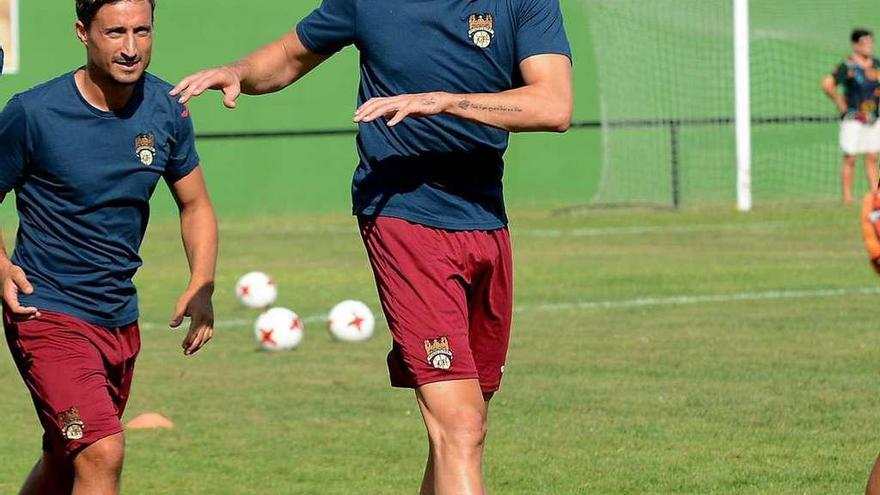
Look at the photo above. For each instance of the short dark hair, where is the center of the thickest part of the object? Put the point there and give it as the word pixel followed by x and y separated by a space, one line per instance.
pixel 87 9
pixel 859 33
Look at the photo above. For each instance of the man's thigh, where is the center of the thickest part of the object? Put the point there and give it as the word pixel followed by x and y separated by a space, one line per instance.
pixel 73 377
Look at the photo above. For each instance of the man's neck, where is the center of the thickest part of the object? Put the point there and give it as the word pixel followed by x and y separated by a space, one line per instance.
pixel 863 60
pixel 102 92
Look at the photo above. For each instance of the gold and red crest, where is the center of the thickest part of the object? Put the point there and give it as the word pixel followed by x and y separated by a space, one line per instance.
pixel 439 353
pixel 72 425
pixel 145 148
pixel 481 29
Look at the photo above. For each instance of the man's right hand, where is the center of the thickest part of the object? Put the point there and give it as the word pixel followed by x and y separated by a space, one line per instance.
pixel 14 280
pixel 225 78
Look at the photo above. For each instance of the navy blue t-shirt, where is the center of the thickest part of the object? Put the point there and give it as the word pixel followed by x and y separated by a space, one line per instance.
pixel 439 171
pixel 83 180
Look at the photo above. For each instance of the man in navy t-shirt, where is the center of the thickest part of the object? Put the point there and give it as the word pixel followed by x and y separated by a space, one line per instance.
pixel 84 153
pixel 442 83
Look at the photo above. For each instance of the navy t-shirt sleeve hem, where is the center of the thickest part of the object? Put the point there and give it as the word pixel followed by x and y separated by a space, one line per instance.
pixel 180 173
pixel 14 143
pixel 308 42
pixel 546 52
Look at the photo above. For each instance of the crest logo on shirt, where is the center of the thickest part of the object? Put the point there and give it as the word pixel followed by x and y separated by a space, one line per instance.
pixel 439 354
pixel 71 424
pixel 145 148
pixel 480 29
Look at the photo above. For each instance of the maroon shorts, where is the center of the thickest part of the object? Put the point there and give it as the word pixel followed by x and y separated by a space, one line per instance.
pixel 448 298
pixel 79 375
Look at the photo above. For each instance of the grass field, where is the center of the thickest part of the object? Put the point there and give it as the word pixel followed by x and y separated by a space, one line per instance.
pixel 654 352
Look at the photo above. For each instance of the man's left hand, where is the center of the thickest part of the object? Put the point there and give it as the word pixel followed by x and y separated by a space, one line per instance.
pixel 397 108
pixel 196 304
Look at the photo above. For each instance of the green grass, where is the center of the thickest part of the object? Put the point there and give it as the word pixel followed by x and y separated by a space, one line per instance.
pixel 744 396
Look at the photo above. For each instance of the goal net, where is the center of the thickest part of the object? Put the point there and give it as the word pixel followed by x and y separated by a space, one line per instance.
pixel 666 97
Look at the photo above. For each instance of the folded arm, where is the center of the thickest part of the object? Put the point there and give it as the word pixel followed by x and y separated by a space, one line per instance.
pixel 543 103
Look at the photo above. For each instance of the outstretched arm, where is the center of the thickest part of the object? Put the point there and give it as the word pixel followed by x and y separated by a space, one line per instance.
pixel 198 228
pixel 543 103
pixel 268 69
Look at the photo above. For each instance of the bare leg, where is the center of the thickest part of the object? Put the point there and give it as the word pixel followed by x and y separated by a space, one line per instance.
pixel 874 480
pixel 455 415
pixel 871 170
pixel 428 478
pixel 846 177
pixel 98 468
pixel 51 475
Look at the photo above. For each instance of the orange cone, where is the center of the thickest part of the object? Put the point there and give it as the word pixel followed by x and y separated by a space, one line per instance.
pixel 149 421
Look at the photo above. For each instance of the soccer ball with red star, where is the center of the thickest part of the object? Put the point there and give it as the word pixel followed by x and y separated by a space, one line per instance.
pixel 256 290
pixel 278 329
pixel 351 321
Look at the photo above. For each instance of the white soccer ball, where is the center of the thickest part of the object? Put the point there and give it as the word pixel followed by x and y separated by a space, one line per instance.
pixel 256 290
pixel 351 321
pixel 278 329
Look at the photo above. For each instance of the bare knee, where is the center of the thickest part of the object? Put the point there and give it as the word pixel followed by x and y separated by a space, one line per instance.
pixel 102 459
pixel 464 431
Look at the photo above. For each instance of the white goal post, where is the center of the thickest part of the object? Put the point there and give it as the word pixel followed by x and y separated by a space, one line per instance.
pixel 743 104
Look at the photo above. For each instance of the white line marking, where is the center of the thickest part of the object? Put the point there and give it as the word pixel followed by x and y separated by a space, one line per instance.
pixel 680 300
pixel 594 305
pixel 653 229
pixel 231 323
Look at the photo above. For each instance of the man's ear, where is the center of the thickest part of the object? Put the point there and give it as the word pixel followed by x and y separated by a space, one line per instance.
pixel 82 33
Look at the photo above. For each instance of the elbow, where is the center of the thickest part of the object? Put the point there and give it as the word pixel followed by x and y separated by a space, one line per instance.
pixel 562 113
pixel 827 84
pixel 561 121
pixel 563 124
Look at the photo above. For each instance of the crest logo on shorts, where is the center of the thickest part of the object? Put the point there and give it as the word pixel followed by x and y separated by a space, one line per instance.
pixel 439 354
pixel 145 148
pixel 71 424
pixel 481 29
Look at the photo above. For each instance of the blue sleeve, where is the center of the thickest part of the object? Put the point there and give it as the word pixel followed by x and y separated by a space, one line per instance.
pixel 184 158
pixel 329 28
pixel 540 29
pixel 14 143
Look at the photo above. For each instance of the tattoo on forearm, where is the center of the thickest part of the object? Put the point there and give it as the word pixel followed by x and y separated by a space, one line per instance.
pixel 466 104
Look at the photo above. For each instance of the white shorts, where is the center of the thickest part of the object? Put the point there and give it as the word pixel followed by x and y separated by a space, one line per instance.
pixel 857 138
